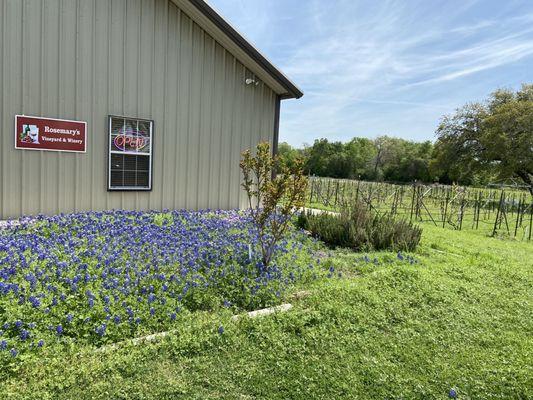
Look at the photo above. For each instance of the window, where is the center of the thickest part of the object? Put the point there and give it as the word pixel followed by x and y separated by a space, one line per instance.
pixel 130 154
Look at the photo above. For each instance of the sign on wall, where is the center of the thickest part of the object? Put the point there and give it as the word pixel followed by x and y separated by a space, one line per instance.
pixel 36 133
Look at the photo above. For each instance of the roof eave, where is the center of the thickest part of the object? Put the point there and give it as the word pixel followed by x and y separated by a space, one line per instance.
pixel 292 91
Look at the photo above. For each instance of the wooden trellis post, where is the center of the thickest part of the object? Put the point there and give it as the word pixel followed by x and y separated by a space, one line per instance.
pixel 496 221
pixel 517 216
pixel 445 216
pixel 412 204
pixel 479 208
pixel 461 213
pixel 530 220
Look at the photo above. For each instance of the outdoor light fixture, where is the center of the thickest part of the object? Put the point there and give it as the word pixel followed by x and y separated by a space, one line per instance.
pixel 250 81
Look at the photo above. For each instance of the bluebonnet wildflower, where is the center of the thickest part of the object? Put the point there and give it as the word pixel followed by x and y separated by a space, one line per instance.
pixel 100 330
pixel 24 334
pixel 220 329
pixel 125 264
pixel 452 394
pixel 35 302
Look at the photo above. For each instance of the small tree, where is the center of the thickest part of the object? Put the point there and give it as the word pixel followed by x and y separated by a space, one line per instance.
pixel 272 198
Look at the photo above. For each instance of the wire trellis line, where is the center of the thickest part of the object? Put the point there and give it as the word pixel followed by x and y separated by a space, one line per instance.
pixel 497 210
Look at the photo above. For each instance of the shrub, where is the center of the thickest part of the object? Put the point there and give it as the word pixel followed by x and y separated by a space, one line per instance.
pixel 361 229
pixel 272 199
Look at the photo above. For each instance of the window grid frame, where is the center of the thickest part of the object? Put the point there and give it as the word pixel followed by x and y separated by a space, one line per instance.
pixel 115 188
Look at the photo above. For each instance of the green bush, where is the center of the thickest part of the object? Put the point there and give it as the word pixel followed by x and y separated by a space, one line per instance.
pixel 361 229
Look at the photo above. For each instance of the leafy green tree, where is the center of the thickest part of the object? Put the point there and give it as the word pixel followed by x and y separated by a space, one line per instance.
pixel 362 151
pixel 340 160
pixel 288 155
pixel 401 160
pixel 326 158
pixel 385 158
pixel 491 140
pixel 411 163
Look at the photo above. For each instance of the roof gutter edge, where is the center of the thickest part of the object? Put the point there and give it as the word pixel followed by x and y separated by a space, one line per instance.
pixel 293 92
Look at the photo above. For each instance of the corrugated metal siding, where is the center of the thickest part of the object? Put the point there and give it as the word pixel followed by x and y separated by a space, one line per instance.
pixel 86 59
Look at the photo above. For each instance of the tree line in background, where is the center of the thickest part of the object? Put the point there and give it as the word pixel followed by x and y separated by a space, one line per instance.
pixel 480 143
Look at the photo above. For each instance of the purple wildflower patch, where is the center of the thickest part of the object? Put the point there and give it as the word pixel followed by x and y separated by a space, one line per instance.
pixel 100 276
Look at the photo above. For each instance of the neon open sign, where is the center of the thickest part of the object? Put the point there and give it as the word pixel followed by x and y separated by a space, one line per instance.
pixel 130 143
pixel 130 139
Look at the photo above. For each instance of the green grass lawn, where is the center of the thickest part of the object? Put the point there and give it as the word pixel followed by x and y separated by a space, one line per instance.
pixel 460 317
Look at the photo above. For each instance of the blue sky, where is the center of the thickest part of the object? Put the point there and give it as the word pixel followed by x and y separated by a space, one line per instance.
pixel 369 68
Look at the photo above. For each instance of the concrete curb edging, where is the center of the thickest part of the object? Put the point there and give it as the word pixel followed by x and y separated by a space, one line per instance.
pixel 150 338
pixel 264 311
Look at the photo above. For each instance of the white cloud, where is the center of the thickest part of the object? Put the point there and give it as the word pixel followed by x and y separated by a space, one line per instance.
pixel 360 63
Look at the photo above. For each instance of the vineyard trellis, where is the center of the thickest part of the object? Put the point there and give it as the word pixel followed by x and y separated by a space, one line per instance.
pixel 498 211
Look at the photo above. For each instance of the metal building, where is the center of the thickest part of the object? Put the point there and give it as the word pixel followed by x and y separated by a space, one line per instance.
pixel 144 104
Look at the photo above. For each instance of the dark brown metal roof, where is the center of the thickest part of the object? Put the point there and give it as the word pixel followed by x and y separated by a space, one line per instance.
pixel 292 90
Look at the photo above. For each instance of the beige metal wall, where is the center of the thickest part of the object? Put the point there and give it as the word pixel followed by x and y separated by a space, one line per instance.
pixel 86 59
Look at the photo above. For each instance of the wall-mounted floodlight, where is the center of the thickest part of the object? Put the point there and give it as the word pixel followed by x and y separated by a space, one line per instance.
pixel 251 81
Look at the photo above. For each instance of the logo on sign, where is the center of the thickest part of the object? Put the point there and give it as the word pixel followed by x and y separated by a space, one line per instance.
pixel 128 141
pixel 29 134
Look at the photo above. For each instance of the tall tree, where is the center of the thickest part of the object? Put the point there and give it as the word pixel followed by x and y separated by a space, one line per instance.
pixel 492 139
pixel 401 160
pixel 288 155
pixel 362 151
pixel 331 159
